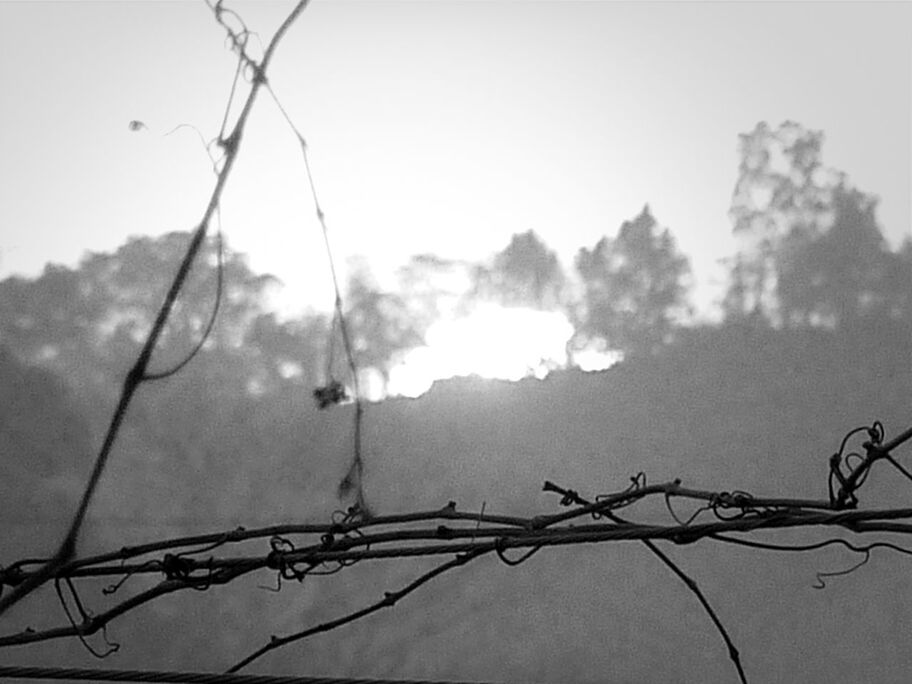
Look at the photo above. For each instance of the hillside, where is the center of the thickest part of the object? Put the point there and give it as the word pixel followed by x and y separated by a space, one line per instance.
pixel 731 408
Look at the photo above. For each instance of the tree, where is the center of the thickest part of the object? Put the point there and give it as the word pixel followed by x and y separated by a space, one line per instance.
pixel 87 323
pixel 290 551
pixel 901 276
pixel 841 273
pixel 431 287
pixel 782 189
pixel 633 286
pixel 96 315
pixel 44 443
pixel 812 252
pixel 525 273
pixel 379 324
pixel 279 350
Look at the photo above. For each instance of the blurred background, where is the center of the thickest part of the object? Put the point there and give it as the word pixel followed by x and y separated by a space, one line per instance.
pixel 576 241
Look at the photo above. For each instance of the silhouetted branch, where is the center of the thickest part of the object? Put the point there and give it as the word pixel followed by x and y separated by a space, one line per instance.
pixel 389 599
pixel 464 535
pixel 330 394
pixel 93 623
pixel 573 498
pixel 137 374
pixel 297 551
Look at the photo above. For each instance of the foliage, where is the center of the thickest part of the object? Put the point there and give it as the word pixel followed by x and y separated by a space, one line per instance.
pixel 634 286
pixel 88 322
pixel 236 443
pixel 812 252
pixel 675 415
pixel 844 273
pixel 45 442
pixel 781 187
pixel 525 273
pixel 379 323
pixel 432 287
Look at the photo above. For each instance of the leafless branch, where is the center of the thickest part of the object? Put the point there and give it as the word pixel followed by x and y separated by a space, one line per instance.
pixel 137 374
pixel 297 551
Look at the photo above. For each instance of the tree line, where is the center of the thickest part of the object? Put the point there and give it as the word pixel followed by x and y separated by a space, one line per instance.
pixel 811 256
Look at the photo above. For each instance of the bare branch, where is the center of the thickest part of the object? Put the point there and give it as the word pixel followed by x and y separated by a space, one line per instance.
pixel 389 599
pixel 137 374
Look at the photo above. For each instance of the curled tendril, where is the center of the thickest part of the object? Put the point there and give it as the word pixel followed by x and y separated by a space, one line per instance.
pixel 85 617
pixel 876 432
pixel 569 498
pixel 740 501
pixel 278 585
pixel 842 486
pixel 638 481
pixel 115 587
pixel 691 518
pixel 175 567
pixel 352 561
pixel 499 550
pixel 280 546
pixel 203 583
pixel 821 584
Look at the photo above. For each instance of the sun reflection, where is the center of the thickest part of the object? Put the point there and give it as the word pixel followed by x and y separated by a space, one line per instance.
pixel 492 341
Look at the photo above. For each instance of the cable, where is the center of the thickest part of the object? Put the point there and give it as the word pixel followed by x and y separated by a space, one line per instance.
pixel 186 677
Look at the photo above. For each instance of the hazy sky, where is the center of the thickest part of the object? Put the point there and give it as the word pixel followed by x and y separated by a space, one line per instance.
pixel 435 126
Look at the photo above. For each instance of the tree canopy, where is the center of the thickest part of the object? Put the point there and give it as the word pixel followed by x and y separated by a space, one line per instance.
pixel 811 249
pixel 633 286
pixel 525 273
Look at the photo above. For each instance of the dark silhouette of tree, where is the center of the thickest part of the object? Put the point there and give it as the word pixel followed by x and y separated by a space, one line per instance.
pixel 812 252
pixel 88 322
pixel 782 189
pixel 379 323
pixel 633 286
pixel 97 314
pixel 525 273
pixel 742 303
pixel 431 287
pixel 285 349
pixel 839 274
pixel 45 445
pixel 900 275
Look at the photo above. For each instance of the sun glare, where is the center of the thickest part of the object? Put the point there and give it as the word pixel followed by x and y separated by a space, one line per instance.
pixel 507 343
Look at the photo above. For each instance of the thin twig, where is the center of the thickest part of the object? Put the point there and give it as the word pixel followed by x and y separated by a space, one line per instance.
pixel 461 540
pixel 389 599
pixel 733 654
pixel 354 477
pixel 136 375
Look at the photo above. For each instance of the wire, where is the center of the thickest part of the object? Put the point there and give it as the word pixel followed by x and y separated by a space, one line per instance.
pixel 184 677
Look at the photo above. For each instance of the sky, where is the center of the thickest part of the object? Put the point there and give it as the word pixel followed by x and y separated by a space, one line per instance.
pixel 436 126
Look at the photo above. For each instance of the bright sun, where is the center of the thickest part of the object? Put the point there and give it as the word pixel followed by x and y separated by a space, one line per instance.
pixel 492 342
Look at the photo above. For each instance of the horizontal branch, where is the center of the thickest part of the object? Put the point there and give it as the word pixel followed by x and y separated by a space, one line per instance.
pixel 77 568
pixel 217 571
pixel 362 547
pixel 388 601
pixel 93 624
